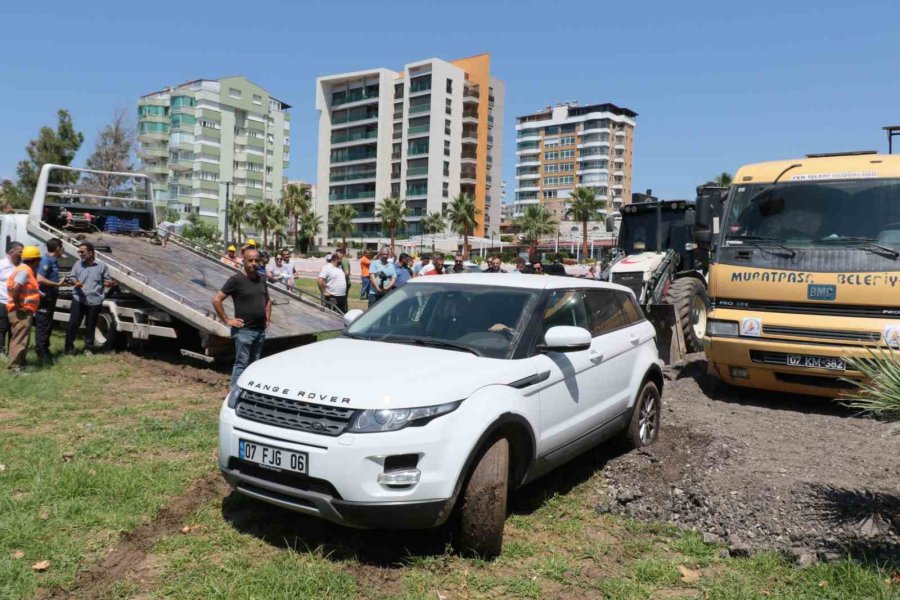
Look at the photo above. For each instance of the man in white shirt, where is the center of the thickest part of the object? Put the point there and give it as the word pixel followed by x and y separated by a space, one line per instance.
pixel 7 265
pixel 333 283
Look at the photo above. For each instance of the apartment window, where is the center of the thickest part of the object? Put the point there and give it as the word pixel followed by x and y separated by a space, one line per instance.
pixel 446 169
pixel 551 130
pixel 446 147
pixel 551 155
pixel 551 143
pixel 567 141
pixel 549 194
pixel 206 176
pixel 445 192
pixel 209 124
pixel 234 93
pixel 567 154
pixel 257 99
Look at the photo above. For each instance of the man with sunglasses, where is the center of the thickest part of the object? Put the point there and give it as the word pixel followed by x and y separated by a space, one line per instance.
pixel 89 279
pixel 458 266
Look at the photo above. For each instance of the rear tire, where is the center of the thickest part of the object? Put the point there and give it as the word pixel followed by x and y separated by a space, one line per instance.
pixel 105 332
pixel 643 429
pixel 482 513
pixel 688 296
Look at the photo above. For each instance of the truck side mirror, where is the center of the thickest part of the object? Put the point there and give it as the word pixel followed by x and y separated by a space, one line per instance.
pixel 703 218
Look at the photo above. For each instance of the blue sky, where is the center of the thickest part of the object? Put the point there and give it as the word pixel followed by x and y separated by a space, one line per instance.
pixel 715 85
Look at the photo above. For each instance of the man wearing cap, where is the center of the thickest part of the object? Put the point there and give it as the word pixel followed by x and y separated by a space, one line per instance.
pixel 89 278
pixel 230 259
pixel 7 265
pixel 24 297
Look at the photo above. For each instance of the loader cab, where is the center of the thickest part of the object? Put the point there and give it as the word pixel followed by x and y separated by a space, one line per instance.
pixel 660 226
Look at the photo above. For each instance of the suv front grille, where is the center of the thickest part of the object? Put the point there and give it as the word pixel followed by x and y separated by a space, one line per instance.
pixel 293 480
pixel 293 414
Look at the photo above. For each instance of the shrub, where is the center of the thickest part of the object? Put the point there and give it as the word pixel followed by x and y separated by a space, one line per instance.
pixel 879 393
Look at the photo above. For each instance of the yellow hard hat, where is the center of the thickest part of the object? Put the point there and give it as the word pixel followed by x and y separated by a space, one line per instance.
pixel 31 253
pixel 232 249
pixel 251 243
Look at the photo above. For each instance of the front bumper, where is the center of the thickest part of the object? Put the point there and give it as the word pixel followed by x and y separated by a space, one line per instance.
pixel 724 354
pixel 341 484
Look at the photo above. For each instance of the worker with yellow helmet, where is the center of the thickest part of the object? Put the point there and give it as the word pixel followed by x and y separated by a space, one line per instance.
pixel 230 259
pixel 23 299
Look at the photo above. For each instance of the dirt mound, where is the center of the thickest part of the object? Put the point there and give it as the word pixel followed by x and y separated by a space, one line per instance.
pixel 759 471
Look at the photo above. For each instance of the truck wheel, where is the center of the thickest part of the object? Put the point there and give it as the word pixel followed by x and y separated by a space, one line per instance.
pixel 688 296
pixel 105 332
pixel 483 509
pixel 643 429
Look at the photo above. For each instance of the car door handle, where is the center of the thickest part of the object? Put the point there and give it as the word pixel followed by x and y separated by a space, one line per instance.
pixel 595 356
pixel 635 340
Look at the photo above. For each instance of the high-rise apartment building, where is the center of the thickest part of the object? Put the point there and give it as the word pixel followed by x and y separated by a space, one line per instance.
pixel 197 136
pixel 425 134
pixel 567 146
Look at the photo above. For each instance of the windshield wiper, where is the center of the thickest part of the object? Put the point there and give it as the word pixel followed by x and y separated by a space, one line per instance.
pixel 760 240
pixel 864 244
pixel 435 344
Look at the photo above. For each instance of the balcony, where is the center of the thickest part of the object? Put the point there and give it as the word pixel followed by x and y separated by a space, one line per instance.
pixel 153 152
pixel 524 176
pixel 350 196
pixel 418 131
pixel 468 157
pixel 619 146
pixel 153 136
pixel 419 109
pixel 155 169
pixel 470 117
pixel 358 177
pixel 416 192
pixel 529 161
pixel 618 173
pixel 356 97
pixel 620 133
pixel 182 165
pixel 471 93
pixel 527 151
pixel 416 172
pixel 417 151
pixel 528 187
pixel 468 178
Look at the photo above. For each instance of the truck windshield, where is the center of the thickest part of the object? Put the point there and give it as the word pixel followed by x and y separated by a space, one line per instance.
pixel 483 320
pixel 821 213
pixel 637 232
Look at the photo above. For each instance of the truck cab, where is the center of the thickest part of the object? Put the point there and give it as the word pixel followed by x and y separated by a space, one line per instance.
pixel 806 272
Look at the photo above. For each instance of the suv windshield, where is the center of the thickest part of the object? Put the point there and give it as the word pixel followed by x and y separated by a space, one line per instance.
pixel 816 213
pixel 637 233
pixel 486 321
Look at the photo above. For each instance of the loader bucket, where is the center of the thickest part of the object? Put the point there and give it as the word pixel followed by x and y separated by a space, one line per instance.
pixel 669 336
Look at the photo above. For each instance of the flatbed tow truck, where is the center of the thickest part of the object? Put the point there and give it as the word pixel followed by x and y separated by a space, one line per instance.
pixel 163 291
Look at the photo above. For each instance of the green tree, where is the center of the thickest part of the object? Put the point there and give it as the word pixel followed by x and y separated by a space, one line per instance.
pixel 535 223
pixel 10 198
pixel 165 213
pixel 584 206
pixel 112 152
pixel 50 147
pixel 297 200
pixel 310 225
pixel 434 223
pixel 461 214
pixel 723 179
pixel 392 212
pixel 238 216
pixel 278 222
pixel 204 234
pixel 262 217
pixel 342 216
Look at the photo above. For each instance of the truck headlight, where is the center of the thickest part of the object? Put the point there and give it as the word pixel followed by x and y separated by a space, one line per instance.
pixel 233 396
pixel 392 419
pixel 722 328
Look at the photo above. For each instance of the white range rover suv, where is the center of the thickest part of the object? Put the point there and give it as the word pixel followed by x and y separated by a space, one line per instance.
pixel 440 399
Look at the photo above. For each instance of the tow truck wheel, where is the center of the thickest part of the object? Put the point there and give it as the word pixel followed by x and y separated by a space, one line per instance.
pixel 482 513
pixel 691 302
pixel 105 332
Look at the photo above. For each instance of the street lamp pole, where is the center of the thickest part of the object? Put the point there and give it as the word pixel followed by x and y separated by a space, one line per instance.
pixel 225 237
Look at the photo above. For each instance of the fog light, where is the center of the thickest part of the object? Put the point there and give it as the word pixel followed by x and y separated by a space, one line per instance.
pixel 739 372
pixel 401 478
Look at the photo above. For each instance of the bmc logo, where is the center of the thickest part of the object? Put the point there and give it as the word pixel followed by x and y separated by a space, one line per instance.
pixel 821 292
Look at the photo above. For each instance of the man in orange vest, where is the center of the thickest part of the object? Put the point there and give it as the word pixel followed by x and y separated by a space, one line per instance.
pixel 24 297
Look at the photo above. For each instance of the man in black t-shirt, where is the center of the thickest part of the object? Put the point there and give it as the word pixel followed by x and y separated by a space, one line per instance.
pixel 252 312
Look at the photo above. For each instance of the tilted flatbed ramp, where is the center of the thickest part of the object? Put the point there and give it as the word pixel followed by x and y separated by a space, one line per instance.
pixel 178 278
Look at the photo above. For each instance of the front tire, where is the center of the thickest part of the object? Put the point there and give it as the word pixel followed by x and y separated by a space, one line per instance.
pixel 691 302
pixel 643 429
pixel 482 513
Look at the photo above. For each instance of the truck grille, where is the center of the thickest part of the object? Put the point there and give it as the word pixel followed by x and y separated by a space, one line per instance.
pixel 633 281
pixel 866 337
pixel 293 414
pixel 811 308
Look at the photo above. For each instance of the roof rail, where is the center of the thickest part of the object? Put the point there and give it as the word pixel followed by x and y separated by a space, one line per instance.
pixel 850 153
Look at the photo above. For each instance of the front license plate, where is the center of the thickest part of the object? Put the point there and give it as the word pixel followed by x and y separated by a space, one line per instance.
pixel 816 362
pixel 273 458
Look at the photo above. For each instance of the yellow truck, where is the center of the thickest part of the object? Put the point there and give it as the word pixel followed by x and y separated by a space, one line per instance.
pixel 806 271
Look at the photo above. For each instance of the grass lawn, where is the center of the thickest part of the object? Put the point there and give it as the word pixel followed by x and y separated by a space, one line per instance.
pixel 96 447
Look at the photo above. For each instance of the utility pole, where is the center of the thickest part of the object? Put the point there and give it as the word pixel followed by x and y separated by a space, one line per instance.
pixel 227 195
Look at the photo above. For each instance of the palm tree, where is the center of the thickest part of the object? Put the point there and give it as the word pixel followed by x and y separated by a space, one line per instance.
pixel 342 217
pixel 310 224
pixel 238 215
pixel 393 212
pixel 461 213
pixel 297 201
pixel 279 222
pixel 535 223
pixel 434 223
pixel 584 206
pixel 723 179
pixel 261 215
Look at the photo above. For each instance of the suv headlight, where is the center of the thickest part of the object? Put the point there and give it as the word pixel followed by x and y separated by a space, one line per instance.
pixel 722 328
pixel 233 396
pixel 392 419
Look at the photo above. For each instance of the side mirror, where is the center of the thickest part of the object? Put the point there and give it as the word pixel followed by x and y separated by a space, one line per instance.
pixel 351 315
pixel 566 338
pixel 703 217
